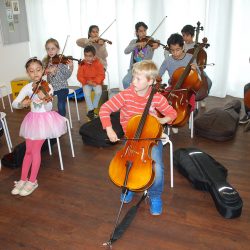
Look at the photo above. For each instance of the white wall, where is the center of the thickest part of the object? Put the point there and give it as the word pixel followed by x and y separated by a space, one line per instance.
pixel 13 58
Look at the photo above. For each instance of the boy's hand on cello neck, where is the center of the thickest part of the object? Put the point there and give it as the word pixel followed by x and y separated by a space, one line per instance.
pixel 111 134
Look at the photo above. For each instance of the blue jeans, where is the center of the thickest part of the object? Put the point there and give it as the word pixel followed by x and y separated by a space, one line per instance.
pixel 87 89
pixel 157 188
pixel 126 81
pixel 61 100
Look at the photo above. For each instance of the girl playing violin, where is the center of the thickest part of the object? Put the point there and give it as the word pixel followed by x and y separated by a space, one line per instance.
pixel 39 124
pixel 140 50
pixel 57 74
pixel 99 44
pixel 131 102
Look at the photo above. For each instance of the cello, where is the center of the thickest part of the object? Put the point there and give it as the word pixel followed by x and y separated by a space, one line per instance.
pixel 201 62
pixel 184 82
pixel 132 168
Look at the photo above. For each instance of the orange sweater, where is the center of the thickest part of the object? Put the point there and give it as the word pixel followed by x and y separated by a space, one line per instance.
pixel 91 72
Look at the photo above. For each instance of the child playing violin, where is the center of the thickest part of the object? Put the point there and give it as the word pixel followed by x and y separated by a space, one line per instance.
pixel 131 102
pixel 91 75
pixel 139 49
pixel 177 59
pixel 188 37
pixel 99 44
pixel 57 74
pixel 39 124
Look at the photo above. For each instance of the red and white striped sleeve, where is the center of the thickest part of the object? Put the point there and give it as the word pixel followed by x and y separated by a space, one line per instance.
pixel 112 105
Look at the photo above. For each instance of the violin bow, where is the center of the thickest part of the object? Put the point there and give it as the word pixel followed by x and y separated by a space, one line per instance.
pixel 157 28
pixel 67 38
pixel 107 28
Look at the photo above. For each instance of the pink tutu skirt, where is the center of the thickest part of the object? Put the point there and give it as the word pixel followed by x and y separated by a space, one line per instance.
pixel 38 126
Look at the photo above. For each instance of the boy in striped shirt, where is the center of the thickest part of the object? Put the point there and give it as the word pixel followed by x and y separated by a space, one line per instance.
pixel 130 102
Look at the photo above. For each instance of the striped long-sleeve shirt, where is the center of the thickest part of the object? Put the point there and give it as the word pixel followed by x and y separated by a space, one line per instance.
pixel 130 104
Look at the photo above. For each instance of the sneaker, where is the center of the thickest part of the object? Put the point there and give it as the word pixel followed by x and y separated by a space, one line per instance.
pixel 28 188
pixel 175 130
pixel 91 114
pixel 155 205
pixel 18 187
pixel 128 197
pixel 203 103
pixel 245 119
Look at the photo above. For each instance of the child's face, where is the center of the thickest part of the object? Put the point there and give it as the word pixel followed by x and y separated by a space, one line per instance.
pixel 187 38
pixel 141 33
pixel 94 33
pixel 141 83
pixel 35 71
pixel 89 57
pixel 51 49
pixel 177 51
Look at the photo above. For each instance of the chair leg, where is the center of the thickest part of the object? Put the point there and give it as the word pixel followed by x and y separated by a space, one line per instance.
pixel 171 164
pixel 8 133
pixel 77 111
pixel 192 124
pixel 70 139
pixel 50 152
pixel 69 113
pixel 5 130
pixel 3 102
pixel 10 103
pixel 59 153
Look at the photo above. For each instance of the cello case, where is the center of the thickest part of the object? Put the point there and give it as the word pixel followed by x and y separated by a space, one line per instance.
pixel 219 124
pixel 206 174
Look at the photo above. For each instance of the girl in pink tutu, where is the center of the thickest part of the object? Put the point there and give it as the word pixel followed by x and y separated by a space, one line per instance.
pixel 39 124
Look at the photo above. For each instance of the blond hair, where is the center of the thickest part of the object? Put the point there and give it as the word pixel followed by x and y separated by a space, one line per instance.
pixel 146 66
pixel 56 44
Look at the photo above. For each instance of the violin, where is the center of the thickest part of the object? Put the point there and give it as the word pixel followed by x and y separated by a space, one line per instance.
pixel 132 167
pixel 42 86
pixel 63 59
pixel 102 39
pixel 150 41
